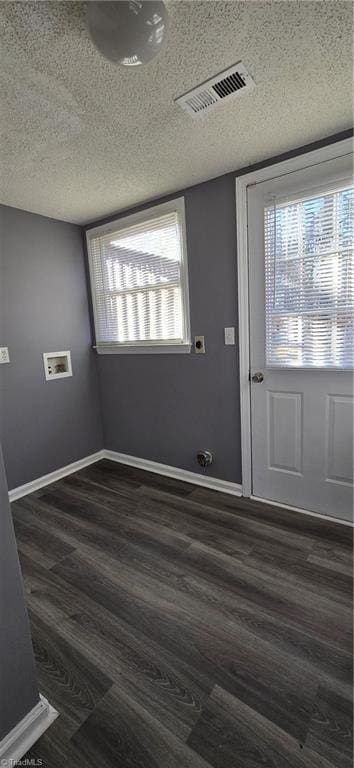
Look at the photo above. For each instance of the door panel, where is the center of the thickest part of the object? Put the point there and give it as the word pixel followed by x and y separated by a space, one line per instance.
pixel 340 439
pixel 302 404
pixel 285 431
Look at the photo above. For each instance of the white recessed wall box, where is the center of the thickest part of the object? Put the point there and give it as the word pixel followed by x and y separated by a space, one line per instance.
pixel 57 365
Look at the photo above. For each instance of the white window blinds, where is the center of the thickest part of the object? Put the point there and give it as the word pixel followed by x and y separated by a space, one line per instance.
pixel 309 246
pixel 139 280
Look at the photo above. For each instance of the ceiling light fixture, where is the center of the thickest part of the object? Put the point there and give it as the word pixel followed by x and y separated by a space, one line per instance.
pixel 128 32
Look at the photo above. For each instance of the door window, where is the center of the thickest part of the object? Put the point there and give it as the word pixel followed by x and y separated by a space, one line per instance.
pixel 309 280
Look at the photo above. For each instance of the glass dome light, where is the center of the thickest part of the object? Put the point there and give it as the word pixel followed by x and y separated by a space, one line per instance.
pixel 128 32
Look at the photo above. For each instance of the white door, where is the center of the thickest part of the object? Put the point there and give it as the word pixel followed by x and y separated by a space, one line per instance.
pixel 301 283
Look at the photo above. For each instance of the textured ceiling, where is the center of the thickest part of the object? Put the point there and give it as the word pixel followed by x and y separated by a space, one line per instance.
pixel 81 137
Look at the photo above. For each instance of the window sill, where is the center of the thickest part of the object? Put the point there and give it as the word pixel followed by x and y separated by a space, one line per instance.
pixel 153 349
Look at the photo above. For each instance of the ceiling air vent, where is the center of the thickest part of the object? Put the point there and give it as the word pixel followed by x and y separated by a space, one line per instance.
pixel 227 84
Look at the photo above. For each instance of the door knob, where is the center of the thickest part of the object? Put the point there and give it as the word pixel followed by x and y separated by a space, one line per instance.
pixel 257 377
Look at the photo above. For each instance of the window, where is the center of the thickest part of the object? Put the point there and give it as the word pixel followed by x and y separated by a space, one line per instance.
pixel 139 281
pixel 309 246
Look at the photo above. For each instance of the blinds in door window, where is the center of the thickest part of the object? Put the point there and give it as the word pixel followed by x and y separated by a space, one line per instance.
pixel 138 282
pixel 309 247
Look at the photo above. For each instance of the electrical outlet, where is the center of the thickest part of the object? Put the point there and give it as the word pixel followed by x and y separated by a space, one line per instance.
pixel 4 355
pixel 199 345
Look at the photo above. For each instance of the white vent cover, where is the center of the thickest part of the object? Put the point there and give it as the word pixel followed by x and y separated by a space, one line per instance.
pixel 225 85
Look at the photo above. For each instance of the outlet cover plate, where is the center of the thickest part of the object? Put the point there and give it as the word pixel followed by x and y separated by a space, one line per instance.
pixel 4 355
pixel 199 345
pixel 229 335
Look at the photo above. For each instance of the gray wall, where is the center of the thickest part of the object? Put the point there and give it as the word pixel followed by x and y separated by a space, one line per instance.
pixel 159 407
pixel 44 308
pixel 18 685
pixel 166 407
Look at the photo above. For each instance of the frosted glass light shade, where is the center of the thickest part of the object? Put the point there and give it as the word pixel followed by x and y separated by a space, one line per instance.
pixel 128 32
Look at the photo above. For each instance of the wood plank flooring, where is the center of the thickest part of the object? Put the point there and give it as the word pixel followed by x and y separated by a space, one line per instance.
pixel 175 626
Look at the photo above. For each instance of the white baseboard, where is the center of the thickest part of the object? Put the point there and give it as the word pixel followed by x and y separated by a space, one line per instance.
pixel 195 478
pixel 213 483
pixel 26 732
pixel 41 482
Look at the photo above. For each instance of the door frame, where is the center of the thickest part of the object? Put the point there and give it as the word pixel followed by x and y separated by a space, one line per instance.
pixel 271 171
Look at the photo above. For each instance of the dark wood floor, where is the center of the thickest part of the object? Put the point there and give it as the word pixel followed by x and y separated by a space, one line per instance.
pixel 175 626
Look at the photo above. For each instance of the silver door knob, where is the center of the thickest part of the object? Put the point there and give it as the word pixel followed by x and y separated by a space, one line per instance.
pixel 257 377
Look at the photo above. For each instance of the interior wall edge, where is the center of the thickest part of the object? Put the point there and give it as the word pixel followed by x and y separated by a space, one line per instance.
pixel 19 686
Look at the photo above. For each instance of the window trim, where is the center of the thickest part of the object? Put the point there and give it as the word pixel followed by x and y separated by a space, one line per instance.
pixel 139 217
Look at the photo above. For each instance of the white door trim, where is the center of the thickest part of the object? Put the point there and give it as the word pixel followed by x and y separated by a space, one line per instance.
pixel 329 152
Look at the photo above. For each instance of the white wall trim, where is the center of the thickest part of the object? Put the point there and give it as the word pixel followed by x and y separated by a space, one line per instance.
pixel 195 478
pixel 214 483
pixel 22 737
pixel 41 482
pixel 304 160
pixel 329 518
